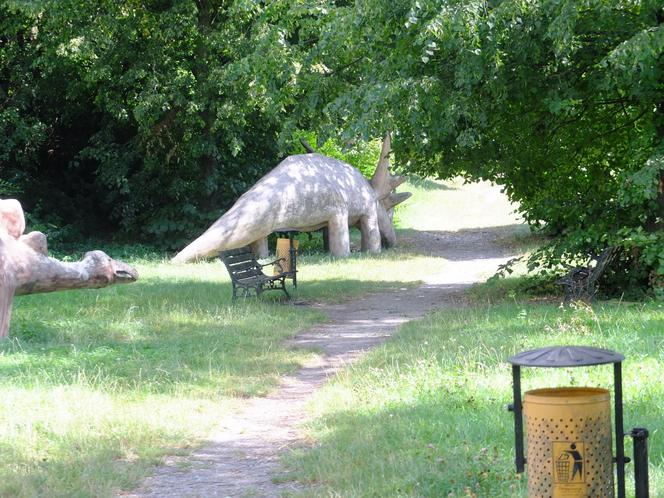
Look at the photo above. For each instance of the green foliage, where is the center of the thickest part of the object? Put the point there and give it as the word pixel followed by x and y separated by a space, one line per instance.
pixel 361 154
pixel 560 102
pixel 143 117
pixel 151 118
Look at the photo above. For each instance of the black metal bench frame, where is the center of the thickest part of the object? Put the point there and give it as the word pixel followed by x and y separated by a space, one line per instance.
pixel 580 284
pixel 247 273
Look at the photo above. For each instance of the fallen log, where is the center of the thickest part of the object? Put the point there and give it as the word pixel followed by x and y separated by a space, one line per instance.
pixel 25 267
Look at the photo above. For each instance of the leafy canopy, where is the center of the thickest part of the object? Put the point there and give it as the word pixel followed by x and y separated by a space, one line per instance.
pixel 562 102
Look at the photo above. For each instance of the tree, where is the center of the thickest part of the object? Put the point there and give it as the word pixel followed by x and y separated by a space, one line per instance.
pixel 141 116
pixel 562 103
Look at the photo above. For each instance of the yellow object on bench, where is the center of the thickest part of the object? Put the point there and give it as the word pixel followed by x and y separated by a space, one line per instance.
pixel 283 254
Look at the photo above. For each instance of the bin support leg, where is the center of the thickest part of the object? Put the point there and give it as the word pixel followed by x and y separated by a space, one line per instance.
pixel 620 429
pixel 519 459
pixel 293 259
pixel 640 438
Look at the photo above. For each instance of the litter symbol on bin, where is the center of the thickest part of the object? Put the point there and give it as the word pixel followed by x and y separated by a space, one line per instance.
pixel 568 462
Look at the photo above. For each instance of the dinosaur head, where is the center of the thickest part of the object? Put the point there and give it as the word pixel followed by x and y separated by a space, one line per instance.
pixel 105 270
pixel 384 185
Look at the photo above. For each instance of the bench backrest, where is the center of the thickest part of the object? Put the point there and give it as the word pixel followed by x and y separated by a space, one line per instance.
pixel 241 263
pixel 603 260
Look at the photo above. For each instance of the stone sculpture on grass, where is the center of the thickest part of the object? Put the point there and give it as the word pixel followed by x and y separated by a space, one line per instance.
pixel 25 267
pixel 307 192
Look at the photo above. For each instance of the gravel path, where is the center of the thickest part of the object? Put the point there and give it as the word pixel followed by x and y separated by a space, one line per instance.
pixel 242 455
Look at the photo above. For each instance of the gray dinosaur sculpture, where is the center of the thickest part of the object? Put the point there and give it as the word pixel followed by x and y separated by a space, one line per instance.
pixel 307 192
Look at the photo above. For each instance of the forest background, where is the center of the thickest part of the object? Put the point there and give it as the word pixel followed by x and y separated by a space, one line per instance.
pixel 141 121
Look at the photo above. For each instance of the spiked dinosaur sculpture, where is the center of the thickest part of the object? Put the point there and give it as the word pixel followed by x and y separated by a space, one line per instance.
pixel 307 192
pixel 25 267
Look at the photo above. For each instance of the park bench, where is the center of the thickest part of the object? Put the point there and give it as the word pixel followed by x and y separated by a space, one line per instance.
pixel 247 273
pixel 581 282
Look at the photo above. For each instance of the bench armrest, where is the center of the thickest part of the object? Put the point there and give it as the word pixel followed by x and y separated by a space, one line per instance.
pixel 275 262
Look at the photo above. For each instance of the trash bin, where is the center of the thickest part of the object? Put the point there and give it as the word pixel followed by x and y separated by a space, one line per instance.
pixel 568 443
pixel 283 251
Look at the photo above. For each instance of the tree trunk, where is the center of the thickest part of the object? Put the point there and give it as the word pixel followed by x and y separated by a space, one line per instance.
pixel 27 269
pixel 660 201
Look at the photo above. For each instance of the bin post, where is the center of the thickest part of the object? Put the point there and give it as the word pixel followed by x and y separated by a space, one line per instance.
pixel 620 429
pixel 293 258
pixel 640 438
pixel 517 408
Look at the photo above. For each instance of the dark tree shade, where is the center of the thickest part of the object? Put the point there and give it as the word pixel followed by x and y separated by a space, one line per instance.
pixel 146 118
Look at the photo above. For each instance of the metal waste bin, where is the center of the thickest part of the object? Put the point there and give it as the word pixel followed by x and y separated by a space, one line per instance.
pixel 568 442
pixel 569 430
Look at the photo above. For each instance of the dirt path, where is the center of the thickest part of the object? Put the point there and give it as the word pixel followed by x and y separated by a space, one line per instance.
pixel 242 456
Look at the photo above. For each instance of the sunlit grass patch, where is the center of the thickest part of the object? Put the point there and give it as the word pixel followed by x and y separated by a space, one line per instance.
pixel 99 384
pixel 424 415
pixel 453 205
pixel 77 441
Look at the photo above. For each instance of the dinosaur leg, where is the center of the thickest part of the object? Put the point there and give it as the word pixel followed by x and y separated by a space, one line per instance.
pixel 387 234
pixel 370 233
pixel 259 248
pixel 6 298
pixel 338 235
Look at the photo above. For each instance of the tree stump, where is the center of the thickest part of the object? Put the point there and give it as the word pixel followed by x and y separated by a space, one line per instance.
pixel 25 267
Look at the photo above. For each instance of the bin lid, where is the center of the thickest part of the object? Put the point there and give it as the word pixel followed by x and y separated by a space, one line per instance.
pixel 565 356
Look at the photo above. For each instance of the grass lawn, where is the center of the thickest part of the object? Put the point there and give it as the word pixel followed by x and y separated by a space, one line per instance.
pixel 424 415
pixel 98 385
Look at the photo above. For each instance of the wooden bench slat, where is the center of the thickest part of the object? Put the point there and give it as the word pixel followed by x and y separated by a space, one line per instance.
pixel 238 251
pixel 249 274
pixel 238 255
pixel 242 266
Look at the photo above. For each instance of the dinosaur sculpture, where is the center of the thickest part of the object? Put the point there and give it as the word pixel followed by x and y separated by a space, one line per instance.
pixel 307 192
pixel 25 267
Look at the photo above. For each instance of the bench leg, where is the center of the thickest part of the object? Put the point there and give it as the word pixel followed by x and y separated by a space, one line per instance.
pixel 283 288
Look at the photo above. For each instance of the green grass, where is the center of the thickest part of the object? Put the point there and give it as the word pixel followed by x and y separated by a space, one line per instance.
pixel 424 415
pixel 453 205
pixel 99 385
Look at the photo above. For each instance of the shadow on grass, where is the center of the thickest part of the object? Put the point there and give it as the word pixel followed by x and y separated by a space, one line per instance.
pixel 426 447
pixel 163 337
pixel 428 184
